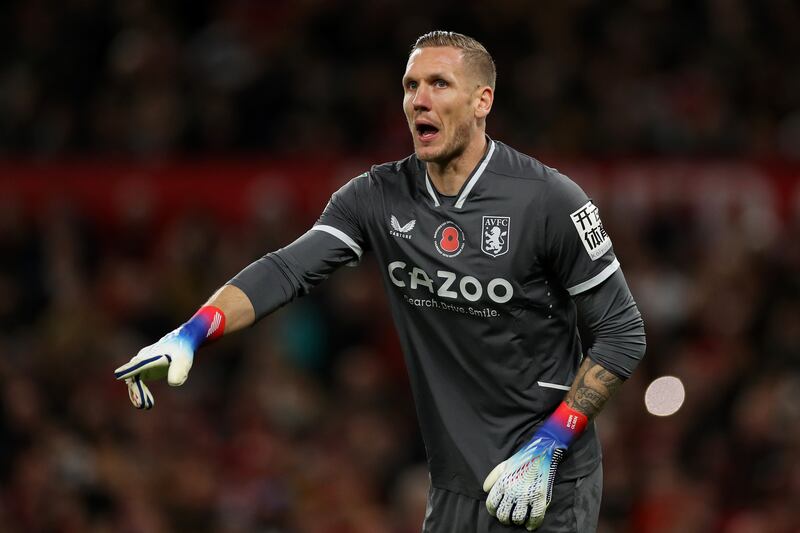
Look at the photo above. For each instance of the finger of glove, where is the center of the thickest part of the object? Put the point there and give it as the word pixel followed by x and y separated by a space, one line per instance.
pixel 504 510
pixel 142 364
pixel 493 500
pixel 140 395
pixel 520 514
pixel 534 521
pixel 538 504
pixel 179 371
pixel 493 476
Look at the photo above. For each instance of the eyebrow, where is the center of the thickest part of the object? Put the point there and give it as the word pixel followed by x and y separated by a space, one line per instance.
pixel 433 76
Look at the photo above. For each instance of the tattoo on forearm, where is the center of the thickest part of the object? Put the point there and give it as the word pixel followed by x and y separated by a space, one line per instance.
pixel 593 386
pixel 586 398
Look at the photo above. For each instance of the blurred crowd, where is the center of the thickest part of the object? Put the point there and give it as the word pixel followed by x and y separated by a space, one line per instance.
pixel 590 76
pixel 304 423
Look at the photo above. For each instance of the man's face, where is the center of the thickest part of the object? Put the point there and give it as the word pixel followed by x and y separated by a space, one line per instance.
pixel 440 101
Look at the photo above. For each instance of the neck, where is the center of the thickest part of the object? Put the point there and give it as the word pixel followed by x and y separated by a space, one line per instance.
pixel 448 176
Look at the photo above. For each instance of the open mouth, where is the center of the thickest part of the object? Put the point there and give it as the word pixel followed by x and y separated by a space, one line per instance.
pixel 426 132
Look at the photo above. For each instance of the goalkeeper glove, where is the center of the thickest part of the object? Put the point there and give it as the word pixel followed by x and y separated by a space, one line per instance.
pixel 520 488
pixel 171 356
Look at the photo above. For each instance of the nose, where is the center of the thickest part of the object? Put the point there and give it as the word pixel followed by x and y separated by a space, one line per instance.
pixel 421 101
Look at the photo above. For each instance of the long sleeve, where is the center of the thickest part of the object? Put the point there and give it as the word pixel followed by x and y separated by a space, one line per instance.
pixel 611 314
pixel 338 238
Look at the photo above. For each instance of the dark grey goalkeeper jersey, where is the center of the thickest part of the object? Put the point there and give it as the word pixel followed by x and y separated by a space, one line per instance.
pixel 480 287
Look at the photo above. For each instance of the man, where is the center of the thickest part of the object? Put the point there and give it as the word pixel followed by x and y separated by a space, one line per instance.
pixel 487 256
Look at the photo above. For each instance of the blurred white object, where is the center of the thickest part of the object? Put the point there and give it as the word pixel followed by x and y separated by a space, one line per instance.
pixel 664 396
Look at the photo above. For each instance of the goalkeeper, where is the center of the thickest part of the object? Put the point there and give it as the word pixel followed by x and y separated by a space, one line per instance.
pixel 488 257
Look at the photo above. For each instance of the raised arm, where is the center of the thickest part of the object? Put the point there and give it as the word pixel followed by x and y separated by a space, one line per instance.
pixel 265 285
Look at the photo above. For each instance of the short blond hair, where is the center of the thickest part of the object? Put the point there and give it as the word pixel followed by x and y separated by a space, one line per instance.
pixel 475 55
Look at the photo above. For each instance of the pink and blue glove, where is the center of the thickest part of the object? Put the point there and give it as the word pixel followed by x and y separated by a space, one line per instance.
pixel 520 488
pixel 171 356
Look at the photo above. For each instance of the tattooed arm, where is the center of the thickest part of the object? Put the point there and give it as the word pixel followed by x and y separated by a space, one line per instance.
pixel 592 388
pixel 619 343
pixel 520 488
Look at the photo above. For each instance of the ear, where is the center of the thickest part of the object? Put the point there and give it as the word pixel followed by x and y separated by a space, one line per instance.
pixel 485 100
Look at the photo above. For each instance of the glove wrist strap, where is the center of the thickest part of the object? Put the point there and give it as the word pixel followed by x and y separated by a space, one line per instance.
pixel 207 324
pixel 565 424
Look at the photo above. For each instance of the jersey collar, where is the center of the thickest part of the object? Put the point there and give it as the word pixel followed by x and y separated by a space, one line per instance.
pixel 465 190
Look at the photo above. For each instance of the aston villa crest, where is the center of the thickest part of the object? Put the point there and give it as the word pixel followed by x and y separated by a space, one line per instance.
pixel 496 231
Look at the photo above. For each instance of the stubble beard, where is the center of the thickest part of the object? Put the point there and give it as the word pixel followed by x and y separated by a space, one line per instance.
pixel 451 150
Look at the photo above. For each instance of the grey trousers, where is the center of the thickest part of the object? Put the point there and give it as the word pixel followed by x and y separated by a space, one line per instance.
pixel 575 508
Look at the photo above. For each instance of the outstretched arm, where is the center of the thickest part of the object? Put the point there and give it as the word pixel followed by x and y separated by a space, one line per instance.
pixel 235 305
pixel 259 289
pixel 265 285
